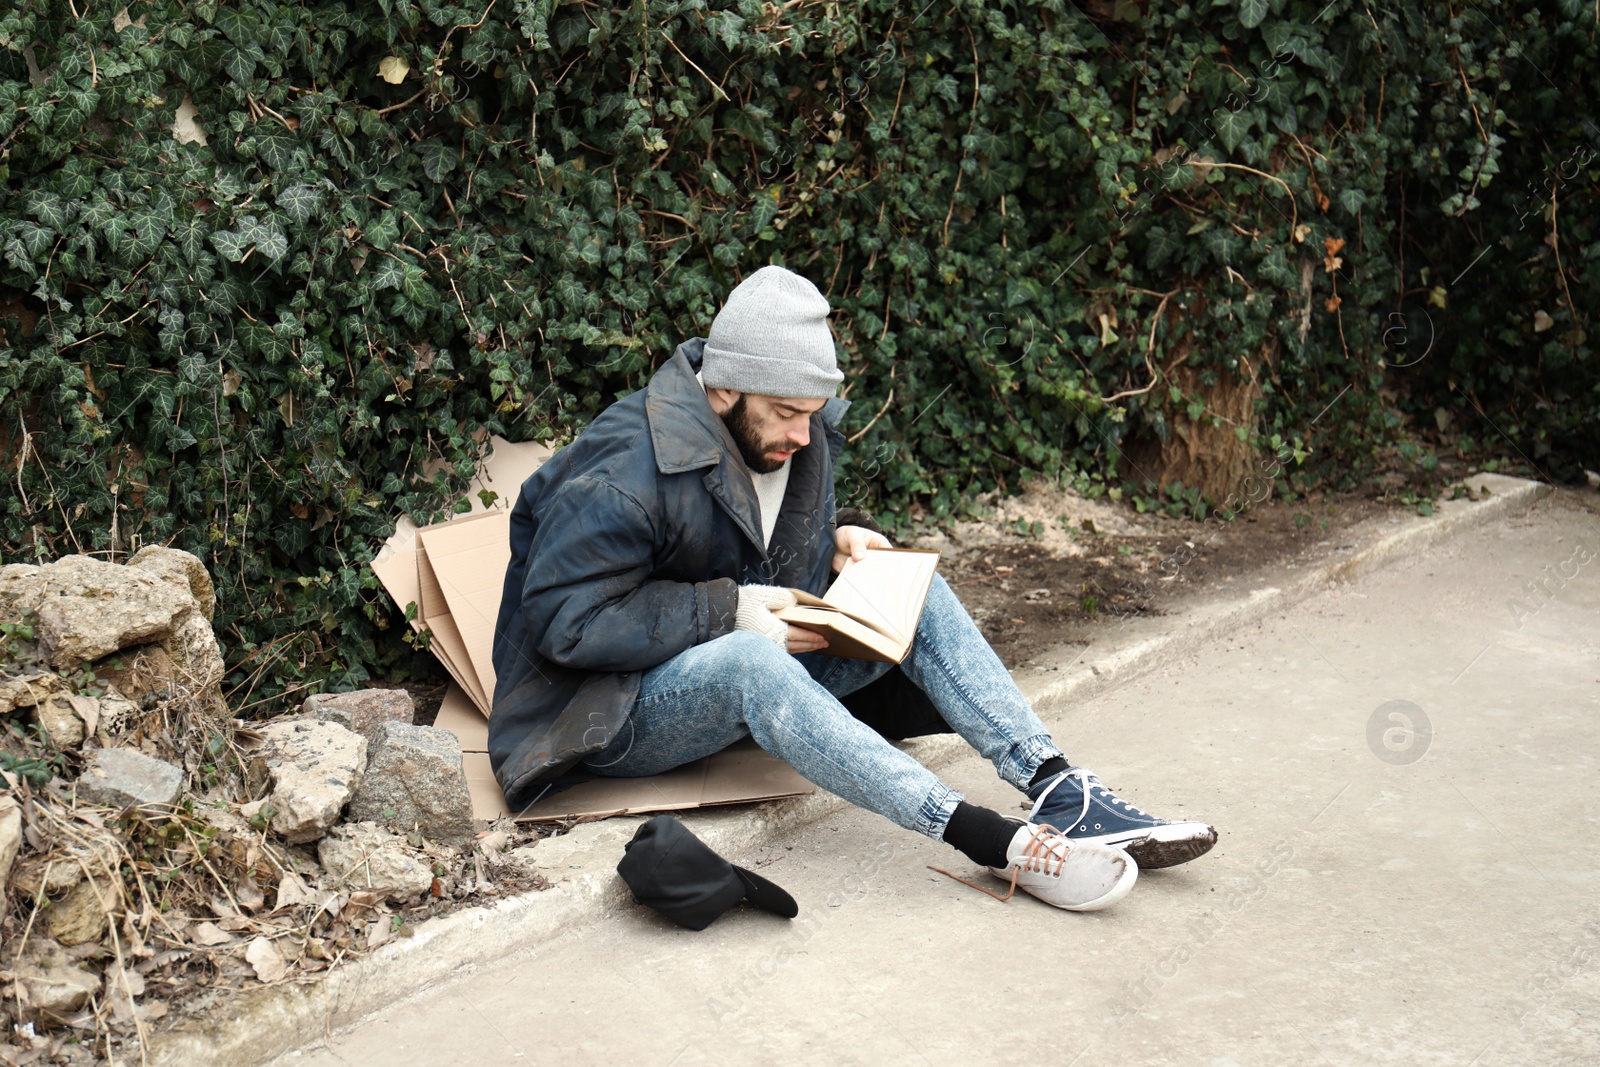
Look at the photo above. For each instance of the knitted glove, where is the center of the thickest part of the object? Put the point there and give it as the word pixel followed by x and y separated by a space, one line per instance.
pixel 755 612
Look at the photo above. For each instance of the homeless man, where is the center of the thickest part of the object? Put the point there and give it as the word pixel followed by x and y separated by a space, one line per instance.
pixel 637 631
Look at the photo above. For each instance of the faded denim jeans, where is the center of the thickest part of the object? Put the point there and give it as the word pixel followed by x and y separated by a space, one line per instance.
pixel 742 685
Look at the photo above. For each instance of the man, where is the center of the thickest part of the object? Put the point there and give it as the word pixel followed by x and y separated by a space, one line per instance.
pixel 637 634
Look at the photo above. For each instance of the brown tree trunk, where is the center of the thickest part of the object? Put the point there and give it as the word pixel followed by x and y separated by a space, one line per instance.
pixel 1204 453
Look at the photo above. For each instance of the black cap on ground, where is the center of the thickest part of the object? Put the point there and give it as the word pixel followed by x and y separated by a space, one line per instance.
pixel 674 872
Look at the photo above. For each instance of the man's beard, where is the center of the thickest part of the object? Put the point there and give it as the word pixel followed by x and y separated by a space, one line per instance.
pixel 741 423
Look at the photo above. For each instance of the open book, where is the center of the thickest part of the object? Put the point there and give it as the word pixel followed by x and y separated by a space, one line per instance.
pixel 871 610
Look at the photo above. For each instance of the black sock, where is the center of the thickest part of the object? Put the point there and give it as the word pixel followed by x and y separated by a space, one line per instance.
pixel 1048 769
pixel 982 835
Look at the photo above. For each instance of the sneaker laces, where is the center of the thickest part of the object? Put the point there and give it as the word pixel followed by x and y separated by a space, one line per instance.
pixel 1046 851
pixel 1088 782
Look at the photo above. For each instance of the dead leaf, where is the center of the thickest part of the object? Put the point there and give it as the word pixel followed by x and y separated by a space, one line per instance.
pixel 293 890
pixel 1301 232
pixel 151 1010
pixel 186 123
pixel 131 981
pixel 364 899
pixel 393 69
pixel 381 930
pixel 1334 245
pixel 87 709
pixel 492 841
pixel 208 934
pixel 1107 334
pixel 264 956
pixel 249 895
pixel 1332 263
pixel 1541 322
pixel 1332 303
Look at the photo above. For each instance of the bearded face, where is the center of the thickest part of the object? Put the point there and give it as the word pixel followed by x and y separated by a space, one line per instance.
pixel 764 448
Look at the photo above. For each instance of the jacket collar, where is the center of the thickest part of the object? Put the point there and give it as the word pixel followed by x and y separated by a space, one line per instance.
pixel 687 435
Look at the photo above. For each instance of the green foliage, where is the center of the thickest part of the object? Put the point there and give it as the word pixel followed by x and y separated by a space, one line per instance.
pixel 264 347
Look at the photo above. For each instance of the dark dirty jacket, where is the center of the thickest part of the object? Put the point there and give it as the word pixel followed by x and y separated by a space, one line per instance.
pixel 628 547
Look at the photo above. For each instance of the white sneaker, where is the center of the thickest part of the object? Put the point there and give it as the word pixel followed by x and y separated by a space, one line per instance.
pixel 1065 874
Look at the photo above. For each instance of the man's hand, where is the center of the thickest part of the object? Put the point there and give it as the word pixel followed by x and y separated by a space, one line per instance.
pixel 758 605
pixel 803 640
pixel 852 542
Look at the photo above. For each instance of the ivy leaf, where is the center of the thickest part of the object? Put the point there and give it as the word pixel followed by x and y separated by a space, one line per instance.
pixel 1252 12
pixel 417 290
pixel 1275 269
pixel 147 230
pixel 393 69
pixel 383 231
pixel 437 160
pixel 51 210
pixel 300 201
pixel 191 238
pixel 1162 246
pixel 240 65
pixel 1351 200
pixel 275 148
pixel 273 244
pixel 230 245
pixel 390 275
pixel 1231 127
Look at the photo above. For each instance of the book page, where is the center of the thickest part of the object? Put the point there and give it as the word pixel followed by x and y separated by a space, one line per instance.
pixel 887 588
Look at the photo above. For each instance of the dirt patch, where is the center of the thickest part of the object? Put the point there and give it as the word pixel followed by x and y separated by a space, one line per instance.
pixel 1055 569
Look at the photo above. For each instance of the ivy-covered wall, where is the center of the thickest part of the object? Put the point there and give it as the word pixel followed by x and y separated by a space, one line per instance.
pixel 261 263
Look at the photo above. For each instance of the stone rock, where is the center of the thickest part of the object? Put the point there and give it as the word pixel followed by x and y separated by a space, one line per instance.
pixel 10 838
pixel 27 689
pixel 415 779
pixel 55 872
pixel 48 994
pixel 182 569
pixel 121 778
pixel 88 608
pixel 365 856
pixel 197 661
pixel 315 768
pixel 58 716
pixel 363 710
pixel 83 914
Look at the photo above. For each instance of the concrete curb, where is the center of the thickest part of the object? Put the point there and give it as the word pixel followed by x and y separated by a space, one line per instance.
pixel 255 1028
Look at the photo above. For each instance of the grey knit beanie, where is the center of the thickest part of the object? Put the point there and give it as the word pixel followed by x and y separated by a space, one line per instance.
pixel 772 338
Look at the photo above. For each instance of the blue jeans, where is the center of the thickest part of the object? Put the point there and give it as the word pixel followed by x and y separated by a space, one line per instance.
pixel 742 685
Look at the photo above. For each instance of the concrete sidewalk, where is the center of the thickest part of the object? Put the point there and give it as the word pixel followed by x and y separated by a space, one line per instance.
pixel 1403 769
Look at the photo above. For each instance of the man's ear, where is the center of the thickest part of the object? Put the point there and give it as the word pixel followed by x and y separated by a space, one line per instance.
pixel 721 400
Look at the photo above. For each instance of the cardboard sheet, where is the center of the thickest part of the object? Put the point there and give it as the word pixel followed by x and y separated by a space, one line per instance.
pixel 458 716
pixel 454 571
pixel 468 561
pixel 739 774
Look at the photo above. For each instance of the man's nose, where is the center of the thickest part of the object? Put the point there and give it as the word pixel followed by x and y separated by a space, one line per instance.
pixel 802 436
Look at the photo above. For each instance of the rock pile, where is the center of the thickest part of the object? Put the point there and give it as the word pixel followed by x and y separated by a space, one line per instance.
pixel 143 830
